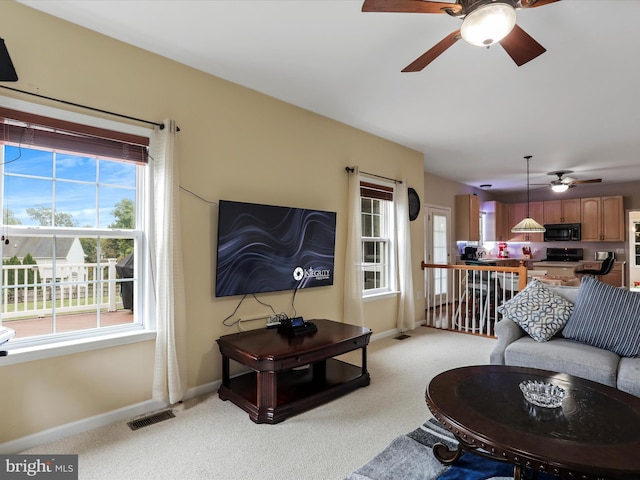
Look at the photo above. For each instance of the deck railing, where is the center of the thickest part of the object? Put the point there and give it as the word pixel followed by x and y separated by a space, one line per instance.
pixel 29 290
pixel 466 297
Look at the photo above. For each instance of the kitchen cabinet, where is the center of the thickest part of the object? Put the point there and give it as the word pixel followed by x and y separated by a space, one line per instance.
pixel 518 211
pixel 467 218
pixel 515 213
pixel 634 250
pixel 562 211
pixel 602 219
pixel 495 222
pixel 536 211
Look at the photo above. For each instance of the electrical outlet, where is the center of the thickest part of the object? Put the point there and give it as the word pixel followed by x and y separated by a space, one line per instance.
pixel 272 321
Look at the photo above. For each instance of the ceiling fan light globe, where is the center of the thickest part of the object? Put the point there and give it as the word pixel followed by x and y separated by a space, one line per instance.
pixel 488 24
pixel 562 187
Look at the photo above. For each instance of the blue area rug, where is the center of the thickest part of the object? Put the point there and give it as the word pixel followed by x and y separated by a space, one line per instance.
pixel 410 457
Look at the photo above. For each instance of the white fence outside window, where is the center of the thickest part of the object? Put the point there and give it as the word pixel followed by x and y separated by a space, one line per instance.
pixel 29 293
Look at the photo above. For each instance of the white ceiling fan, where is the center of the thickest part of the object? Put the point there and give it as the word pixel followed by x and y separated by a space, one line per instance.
pixel 562 183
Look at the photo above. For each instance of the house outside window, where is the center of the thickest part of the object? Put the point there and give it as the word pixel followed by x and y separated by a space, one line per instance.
pixel 73 208
pixel 376 210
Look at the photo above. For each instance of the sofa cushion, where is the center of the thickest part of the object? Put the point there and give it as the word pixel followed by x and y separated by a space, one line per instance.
pixel 570 293
pixel 565 356
pixel 538 310
pixel 607 317
pixel 629 376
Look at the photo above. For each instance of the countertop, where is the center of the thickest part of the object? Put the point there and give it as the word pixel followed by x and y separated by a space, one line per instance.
pixel 540 263
pixel 503 259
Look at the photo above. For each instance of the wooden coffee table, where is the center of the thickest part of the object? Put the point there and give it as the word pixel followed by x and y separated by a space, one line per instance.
pixel 288 374
pixel 594 435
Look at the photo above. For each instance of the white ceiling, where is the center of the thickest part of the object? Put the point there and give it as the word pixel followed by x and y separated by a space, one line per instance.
pixel 472 112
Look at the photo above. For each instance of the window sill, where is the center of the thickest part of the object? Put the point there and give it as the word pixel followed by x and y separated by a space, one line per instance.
pixel 50 350
pixel 380 296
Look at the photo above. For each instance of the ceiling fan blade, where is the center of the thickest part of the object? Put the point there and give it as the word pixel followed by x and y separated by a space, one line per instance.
pixel 435 51
pixel 536 3
pixel 521 47
pixel 410 6
pixel 593 180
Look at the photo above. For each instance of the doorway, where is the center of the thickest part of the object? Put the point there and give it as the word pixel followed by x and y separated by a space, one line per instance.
pixel 437 239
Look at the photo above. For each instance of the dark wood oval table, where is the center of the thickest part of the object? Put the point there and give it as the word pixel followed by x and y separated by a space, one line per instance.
pixel 595 434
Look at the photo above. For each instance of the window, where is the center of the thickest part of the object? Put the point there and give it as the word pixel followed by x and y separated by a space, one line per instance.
pixel 73 210
pixel 376 210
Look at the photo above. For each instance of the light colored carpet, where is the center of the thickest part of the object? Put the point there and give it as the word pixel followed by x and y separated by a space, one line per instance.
pixel 211 439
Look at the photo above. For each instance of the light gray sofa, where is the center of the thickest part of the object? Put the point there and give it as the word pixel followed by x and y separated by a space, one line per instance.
pixel 559 354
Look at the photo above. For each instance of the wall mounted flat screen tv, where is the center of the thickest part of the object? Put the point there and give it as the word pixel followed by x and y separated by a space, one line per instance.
pixel 267 248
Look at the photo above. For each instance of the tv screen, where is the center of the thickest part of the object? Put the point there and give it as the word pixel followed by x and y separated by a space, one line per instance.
pixel 266 248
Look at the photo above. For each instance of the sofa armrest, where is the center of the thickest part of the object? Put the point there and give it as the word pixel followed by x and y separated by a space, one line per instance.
pixel 507 332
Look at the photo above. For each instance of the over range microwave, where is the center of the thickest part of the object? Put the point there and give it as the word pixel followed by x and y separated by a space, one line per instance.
pixel 562 232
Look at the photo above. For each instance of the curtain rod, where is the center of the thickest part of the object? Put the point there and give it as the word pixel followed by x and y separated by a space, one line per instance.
pixel 352 169
pixel 160 125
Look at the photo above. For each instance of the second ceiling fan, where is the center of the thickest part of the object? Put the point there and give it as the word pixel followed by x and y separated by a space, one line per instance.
pixel 562 183
pixel 484 22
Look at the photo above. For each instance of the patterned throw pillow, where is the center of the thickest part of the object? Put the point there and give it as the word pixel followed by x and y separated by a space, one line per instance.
pixel 539 311
pixel 606 317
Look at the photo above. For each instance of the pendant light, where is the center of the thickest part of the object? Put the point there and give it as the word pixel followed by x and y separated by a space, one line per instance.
pixel 528 224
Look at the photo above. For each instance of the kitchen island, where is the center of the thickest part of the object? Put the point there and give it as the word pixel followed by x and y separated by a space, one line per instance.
pixel 510 261
pixel 560 269
pixel 568 270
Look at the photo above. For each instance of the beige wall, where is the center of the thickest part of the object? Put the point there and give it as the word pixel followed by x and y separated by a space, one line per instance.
pixel 441 192
pixel 234 144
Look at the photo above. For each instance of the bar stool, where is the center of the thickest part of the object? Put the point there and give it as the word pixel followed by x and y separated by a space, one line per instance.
pixel 605 268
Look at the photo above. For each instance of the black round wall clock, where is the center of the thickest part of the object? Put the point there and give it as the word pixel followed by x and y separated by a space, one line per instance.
pixel 414 204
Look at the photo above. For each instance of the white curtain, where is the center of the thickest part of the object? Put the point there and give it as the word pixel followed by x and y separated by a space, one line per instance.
pixel 406 304
pixel 353 281
pixel 170 379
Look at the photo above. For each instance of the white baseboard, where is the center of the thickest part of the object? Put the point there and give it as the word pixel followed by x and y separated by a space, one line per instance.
pixel 205 389
pixel 125 413
pixel 79 426
pixel 392 333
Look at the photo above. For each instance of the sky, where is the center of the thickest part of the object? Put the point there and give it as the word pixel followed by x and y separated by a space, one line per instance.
pixel 85 188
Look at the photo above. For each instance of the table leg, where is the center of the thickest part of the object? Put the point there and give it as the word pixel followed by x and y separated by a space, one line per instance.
pixel 267 394
pixel 364 360
pixel 445 455
pixel 519 473
pixel 319 370
pixel 225 371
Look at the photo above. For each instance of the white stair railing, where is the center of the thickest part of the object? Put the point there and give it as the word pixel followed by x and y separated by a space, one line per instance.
pixel 468 299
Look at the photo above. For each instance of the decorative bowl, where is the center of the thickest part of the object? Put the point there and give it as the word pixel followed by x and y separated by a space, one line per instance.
pixel 542 394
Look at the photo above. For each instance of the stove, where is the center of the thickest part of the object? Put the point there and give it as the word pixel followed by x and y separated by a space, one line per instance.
pixel 564 255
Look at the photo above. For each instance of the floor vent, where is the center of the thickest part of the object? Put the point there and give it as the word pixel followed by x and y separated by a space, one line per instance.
pixel 150 419
pixel 402 336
